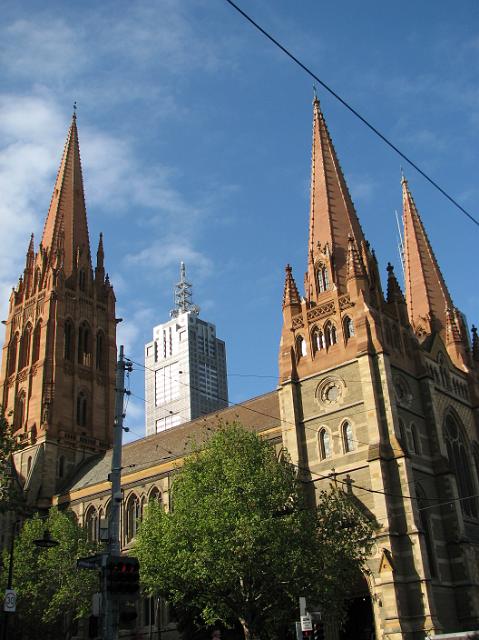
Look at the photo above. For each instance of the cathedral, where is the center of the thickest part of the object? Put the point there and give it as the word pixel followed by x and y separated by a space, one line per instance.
pixel 377 393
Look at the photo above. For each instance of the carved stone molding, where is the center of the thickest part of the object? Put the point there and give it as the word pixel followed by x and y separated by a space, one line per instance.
pixel 321 311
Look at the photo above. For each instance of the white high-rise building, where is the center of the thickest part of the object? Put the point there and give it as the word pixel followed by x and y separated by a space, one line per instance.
pixel 185 374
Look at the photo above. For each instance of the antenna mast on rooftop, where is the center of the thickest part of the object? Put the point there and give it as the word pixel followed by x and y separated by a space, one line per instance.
pixel 183 296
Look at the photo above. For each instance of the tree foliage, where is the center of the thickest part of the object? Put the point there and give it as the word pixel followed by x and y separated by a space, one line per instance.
pixel 11 498
pixel 51 592
pixel 242 543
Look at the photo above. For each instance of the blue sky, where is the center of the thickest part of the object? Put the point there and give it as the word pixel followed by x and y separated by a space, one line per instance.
pixel 195 136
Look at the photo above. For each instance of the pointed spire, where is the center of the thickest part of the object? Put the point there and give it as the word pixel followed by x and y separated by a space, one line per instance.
pixel 475 344
pixel 31 246
pixel 355 264
pixel 67 213
pixel 394 293
pixel 332 214
pixel 100 254
pixel 427 296
pixel 290 295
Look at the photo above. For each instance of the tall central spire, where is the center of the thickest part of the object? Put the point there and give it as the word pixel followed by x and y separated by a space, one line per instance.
pixel 332 216
pixel 66 229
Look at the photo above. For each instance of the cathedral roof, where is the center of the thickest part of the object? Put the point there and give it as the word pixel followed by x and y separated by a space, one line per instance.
pixel 259 414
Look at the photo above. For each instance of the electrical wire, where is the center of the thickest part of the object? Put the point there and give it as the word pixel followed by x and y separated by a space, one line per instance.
pixel 320 476
pixel 281 420
pixel 353 111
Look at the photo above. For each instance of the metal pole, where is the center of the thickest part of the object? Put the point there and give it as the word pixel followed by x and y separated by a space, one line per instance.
pixel 110 620
pixel 6 616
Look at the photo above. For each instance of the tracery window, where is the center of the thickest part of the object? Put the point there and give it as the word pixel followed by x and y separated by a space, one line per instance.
pixel 69 340
pixel 330 334
pixel 415 443
pixel 460 465
pixel 12 354
pixel 37 335
pixel 132 517
pixel 317 340
pixel 100 351
pixel 324 444
pixel 402 435
pixel 19 413
pixel 323 278
pixel 84 344
pixel 92 524
pixel 25 347
pixel 300 347
pixel 348 437
pixel 82 409
pixel 348 327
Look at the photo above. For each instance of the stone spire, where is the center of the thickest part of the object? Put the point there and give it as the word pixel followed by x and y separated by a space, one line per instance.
pixel 394 293
pixel 66 228
pixel 290 295
pixel 475 344
pixel 332 215
pixel 100 258
pixel 427 296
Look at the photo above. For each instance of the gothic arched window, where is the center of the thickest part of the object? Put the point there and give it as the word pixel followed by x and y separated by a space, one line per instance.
pixel 300 347
pixel 426 528
pixel 19 412
pixel 84 344
pixel 132 517
pixel 69 340
pixel 324 444
pixel 460 465
pixel 100 351
pixel 91 524
pixel 317 340
pixel 37 336
pixel 12 354
pixel 348 437
pixel 330 334
pixel 348 327
pixel 416 446
pixel 323 278
pixel 82 409
pixel 25 347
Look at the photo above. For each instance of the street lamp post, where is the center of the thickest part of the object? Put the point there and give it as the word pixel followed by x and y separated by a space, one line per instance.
pixel 47 542
pixel 6 615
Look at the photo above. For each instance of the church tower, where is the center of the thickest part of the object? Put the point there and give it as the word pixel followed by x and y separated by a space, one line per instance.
pixel 58 363
pixel 378 394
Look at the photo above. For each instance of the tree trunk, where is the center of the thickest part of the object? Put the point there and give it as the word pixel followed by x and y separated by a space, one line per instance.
pixel 249 634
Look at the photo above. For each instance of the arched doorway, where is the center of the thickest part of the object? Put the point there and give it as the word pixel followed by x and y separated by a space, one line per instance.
pixel 360 620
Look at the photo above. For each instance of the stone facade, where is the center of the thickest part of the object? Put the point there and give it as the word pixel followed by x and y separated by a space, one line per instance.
pixel 378 393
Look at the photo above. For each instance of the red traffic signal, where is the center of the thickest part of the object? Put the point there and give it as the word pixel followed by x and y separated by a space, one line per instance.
pixel 123 575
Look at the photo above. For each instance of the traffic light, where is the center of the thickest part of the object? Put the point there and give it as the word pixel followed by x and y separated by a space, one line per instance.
pixel 318 631
pixel 123 576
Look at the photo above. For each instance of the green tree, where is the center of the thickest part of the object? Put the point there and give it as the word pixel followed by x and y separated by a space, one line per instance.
pixel 51 592
pixel 11 497
pixel 242 543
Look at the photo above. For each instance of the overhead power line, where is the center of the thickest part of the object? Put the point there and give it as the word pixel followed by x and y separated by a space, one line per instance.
pixel 353 111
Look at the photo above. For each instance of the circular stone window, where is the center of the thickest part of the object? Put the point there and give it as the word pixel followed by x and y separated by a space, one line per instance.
pixel 330 391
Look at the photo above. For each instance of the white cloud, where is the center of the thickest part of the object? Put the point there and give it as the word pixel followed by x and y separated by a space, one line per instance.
pixel 164 253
